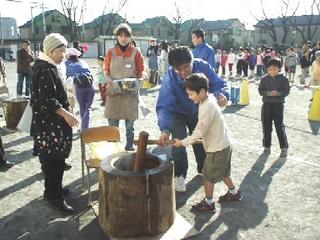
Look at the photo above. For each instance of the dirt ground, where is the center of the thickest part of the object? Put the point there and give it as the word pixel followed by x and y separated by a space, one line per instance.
pixel 280 196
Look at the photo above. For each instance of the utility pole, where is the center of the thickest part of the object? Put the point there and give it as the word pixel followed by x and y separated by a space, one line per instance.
pixel 2 37
pixel 32 26
pixel 43 20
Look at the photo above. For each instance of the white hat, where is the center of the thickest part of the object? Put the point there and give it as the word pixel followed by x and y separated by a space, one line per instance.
pixel 73 52
pixel 122 26
pixel 52 41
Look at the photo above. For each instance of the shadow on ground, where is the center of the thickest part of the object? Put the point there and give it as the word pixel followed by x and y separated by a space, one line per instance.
pixel 40 222
pixel 246 214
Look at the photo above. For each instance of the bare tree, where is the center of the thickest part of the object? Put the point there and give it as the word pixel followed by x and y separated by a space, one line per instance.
pixel 73 9
pixel 107 20
pixel 175 25
pixel 270 24
pixel 313 22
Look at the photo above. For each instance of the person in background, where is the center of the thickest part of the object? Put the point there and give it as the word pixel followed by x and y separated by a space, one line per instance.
pixel 25 57
pixel 3 163
pixel 274 88
pixel 231 60
pixel 52 119
pixel 224 59
pixel 177 113
pixel 213 130
pixel 76 45
pixel 252 62
pixel 240 61
pixel 163 59
pixel 3 72
pixel 315 49
pixel 217 59
pixel 291 64
pixel 123 61
pixel 305 64
pixel 201 48
pixel 152 54
pixel 259 63
pixel 102 80
pixel 83 82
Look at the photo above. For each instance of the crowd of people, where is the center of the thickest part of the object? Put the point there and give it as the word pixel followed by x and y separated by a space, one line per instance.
pixel 188 106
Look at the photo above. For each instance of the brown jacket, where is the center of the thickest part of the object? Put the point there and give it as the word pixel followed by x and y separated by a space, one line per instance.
pixel 24 60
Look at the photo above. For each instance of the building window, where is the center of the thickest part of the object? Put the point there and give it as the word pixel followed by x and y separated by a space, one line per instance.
pixel 159 32
pixel 151 31
pixel 64 30
pixel 36 30
pixel 170 33
pixel 49 28
pixel 53 18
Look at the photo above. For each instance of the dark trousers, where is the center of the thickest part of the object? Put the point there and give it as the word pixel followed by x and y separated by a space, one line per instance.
pixel 230 68
pixel 223 70
pixel 259 70
pixel 245 67
pixel 179 155
pixel 21 77
pixel 216 67
pixel 1 151
pixel 53 169
pixel 129 130
pixel 273 112
pixel 153 79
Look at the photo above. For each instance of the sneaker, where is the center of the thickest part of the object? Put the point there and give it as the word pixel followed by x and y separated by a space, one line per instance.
pixel 229 197
pixel 6 164
pixel 284 153
pixel 129 149
pixel 204 207
pixel 180 184
pixel 266 150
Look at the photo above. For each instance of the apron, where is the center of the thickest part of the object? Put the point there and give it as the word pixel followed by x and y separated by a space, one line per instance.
pixel 123 106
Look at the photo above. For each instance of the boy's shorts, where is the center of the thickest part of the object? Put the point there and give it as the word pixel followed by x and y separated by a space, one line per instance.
pixel 217 165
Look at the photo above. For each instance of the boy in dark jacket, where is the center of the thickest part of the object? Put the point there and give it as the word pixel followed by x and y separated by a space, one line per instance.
pixel 273 88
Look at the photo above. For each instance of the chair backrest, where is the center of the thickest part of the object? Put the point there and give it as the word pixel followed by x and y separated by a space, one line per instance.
pixel 98 134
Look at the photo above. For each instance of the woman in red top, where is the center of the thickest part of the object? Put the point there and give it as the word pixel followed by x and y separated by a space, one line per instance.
pixel 123 61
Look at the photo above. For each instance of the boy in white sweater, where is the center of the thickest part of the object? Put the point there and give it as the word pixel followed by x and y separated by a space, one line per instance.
pixel 212 128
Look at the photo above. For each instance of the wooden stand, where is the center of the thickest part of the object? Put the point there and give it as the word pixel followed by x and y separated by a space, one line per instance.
pixel 135 204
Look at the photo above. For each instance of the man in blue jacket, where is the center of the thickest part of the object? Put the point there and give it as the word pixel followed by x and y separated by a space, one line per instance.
pixel 202 50
pixel 176 112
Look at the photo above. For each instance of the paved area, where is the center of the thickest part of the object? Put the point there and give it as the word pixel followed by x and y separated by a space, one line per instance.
pixel 280 196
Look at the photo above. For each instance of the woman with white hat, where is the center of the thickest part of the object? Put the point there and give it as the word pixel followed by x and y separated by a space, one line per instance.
pixel 52 120
pixel 123 61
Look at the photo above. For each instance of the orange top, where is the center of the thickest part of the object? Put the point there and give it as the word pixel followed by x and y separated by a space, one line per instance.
pixel 138 59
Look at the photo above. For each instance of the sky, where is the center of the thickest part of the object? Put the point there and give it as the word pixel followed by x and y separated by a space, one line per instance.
pixel 138 10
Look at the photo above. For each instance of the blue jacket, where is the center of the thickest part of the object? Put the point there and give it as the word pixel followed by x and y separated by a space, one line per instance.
pixel 173 97
pixel 205 52
pixel 77 68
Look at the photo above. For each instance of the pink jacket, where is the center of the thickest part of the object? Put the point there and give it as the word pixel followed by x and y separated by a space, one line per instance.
pixel 224 58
